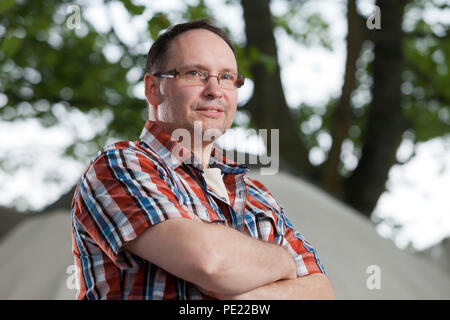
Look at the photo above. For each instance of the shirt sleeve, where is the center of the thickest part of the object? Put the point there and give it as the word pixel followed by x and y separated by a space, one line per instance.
pixel 121 195
pixel 305 256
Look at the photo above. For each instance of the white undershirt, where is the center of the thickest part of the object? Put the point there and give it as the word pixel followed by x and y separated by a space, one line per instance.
pixel 213 178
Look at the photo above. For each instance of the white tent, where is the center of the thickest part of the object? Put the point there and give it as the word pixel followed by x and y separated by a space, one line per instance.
pixel 36 259
pixel 351 250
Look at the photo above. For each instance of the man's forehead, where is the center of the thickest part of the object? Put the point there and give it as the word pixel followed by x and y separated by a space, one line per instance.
pixel 193 46
pixel 201 35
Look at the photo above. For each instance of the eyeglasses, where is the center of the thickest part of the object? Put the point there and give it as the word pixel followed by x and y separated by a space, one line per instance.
pixel 226 80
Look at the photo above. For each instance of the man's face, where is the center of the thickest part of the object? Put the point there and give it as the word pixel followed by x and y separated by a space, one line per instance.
pixel 181 104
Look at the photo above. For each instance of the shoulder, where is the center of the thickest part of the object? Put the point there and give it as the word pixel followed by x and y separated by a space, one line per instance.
pixel 256 186
pixel 120 158
pixel 258 191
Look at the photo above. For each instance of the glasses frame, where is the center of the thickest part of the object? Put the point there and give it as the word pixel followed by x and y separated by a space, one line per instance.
pixel 239 82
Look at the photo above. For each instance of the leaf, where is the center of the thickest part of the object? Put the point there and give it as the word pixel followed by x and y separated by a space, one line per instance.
pixel 132 8
pixel 198 11
pixel 10 45
pixel 5 5
pixel 305 29
pixel 157 23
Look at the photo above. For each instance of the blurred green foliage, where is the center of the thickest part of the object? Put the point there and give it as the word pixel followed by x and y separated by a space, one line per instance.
pixel 45 66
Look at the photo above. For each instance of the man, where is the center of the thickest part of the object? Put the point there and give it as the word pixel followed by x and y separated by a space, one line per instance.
pixel 165 218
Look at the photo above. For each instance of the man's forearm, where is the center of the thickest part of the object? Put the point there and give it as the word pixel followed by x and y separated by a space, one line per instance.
pixel 244 263
pixel 311 287
pixel 215 257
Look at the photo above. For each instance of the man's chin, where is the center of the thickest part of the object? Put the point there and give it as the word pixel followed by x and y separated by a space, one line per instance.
pixel 208 124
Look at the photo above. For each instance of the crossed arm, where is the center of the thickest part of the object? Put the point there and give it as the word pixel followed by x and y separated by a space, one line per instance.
pixel 314 286
pixel 226 263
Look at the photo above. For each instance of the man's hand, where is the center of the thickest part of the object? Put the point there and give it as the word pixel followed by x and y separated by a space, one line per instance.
pixel 311 287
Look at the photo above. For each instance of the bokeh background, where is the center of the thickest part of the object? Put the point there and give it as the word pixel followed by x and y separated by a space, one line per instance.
pixel 361 100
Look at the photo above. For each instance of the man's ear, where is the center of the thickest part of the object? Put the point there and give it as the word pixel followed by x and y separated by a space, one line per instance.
pixel 151 90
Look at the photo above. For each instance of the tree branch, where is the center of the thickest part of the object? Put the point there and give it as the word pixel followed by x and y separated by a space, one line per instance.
pixel 386 122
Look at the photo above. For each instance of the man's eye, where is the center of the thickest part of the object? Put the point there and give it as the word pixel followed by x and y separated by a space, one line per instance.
pixel 226 76
pixel 194 73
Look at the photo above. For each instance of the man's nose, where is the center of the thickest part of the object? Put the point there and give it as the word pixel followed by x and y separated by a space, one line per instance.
pixel 212 88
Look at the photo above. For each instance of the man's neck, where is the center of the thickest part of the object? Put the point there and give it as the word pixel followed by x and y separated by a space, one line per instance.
pixel 200 143
pixel 203 153
pixel 201 149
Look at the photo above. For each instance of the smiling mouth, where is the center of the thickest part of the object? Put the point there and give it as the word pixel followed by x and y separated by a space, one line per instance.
pixel 213 113
pixel 210 109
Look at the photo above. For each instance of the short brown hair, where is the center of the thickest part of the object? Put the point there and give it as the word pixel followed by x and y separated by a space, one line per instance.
pixel 156 55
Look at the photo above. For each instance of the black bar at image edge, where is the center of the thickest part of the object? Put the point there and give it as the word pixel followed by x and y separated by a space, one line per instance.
pixel 220 309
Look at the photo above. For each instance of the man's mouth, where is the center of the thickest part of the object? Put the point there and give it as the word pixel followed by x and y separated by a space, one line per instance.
pixel 210 111
pixel 210 108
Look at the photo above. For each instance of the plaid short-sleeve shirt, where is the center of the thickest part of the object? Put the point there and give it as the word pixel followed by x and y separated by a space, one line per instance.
pixel 130 186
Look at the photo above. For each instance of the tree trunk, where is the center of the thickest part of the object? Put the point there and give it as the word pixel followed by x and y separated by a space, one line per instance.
pixel 268 106
pixel 386 122
pixel 342 117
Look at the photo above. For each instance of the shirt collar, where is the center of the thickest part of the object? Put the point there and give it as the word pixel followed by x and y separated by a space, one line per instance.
pixel 174 153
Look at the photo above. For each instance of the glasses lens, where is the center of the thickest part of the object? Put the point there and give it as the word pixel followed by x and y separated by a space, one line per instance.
pixel 193 76
pixel 227 80
pixel 198 77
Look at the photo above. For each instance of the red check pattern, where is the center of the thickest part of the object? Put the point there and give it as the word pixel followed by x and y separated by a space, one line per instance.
pixel 130 186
